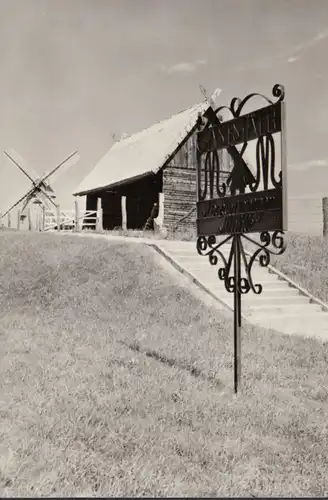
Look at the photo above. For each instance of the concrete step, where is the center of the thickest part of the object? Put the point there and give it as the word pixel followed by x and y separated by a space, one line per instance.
pixel 250 296
pixel 264 318
pixel 298 323
pixel 189 253
pixel 285 292
pixel 301 308
pixel 175 244
pixel 295 327
pixel 265 281
pixel 280 307
pixel 274 299
pixel 259 302
pixel 191 247
pixel 199 259
pixel 177 252
pixel 211 276
pixel 198 263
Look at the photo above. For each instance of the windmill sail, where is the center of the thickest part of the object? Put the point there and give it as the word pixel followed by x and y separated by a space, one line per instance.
pixel 52 176
pixel 13 185
pixel 23 166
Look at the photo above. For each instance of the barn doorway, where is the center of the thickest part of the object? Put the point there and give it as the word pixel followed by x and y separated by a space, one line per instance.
pixel 141 197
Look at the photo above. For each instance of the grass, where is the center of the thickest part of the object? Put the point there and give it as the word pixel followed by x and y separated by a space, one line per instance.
pixel 180 234
pixel 306 262
pixel 116 380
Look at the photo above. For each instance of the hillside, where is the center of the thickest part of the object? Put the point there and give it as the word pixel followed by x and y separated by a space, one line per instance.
pixel 117 381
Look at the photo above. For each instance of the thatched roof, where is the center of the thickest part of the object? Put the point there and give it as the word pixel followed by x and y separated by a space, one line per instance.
pixel 142 153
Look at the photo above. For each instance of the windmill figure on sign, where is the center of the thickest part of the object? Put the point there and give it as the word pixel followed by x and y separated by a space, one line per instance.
pixel 40 195
pixel 239 177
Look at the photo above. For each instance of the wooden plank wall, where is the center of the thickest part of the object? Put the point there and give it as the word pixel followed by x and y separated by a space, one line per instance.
pixel 179 186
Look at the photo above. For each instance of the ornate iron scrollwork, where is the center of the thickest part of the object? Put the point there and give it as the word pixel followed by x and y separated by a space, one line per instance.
pixel 237 104
pixel 269 244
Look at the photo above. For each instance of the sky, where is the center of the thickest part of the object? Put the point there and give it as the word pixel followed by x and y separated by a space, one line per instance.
pixel 74 72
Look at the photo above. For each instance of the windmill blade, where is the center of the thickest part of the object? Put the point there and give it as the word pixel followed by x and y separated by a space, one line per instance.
pixel 203 91
pixel 14 157
pixel 73 160
pixel 13 185
pixel 68 161
pixel 26 195
pixel 214 96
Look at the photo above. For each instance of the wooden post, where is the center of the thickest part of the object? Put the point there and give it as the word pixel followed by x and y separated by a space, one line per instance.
pixel 77 216
pixel 43 218
pixel 40 221
pixel 18 219
pixel 124 214
pixel 58 217
pixel 99 220
pixel 325 216
pixel 9 219
pixel 159 221
pixel 29 218
pixel 37 222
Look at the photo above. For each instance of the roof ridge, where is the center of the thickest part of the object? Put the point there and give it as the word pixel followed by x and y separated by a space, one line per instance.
pixel 160 122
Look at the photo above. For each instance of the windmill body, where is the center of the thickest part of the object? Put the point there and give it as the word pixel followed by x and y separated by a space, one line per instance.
pixel 35 203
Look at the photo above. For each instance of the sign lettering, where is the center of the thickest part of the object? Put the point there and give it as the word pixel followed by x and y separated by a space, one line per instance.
pixel 264 121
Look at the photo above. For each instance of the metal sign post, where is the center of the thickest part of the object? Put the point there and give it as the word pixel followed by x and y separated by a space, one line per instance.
pixel 240 202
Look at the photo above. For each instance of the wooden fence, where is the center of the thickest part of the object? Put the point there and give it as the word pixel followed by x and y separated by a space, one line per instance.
pixel 69 221
pixel 57 219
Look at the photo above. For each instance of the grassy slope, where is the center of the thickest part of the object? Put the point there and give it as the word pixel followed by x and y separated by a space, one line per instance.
pixel 84 414
pixel 306 262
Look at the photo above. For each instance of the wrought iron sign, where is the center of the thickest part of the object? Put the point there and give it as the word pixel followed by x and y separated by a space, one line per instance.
pixel 248 200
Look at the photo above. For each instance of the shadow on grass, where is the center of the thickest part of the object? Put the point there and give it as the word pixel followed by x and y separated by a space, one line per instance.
pixel 193 370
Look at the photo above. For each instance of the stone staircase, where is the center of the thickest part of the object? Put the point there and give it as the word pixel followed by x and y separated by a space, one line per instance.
pixel 281 306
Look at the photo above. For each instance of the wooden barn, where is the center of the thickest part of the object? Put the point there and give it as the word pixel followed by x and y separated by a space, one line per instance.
pixel 151 174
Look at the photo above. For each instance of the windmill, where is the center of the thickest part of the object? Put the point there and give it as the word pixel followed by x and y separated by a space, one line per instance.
pixel 211 100
pixel 239 171
pixel 40 192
